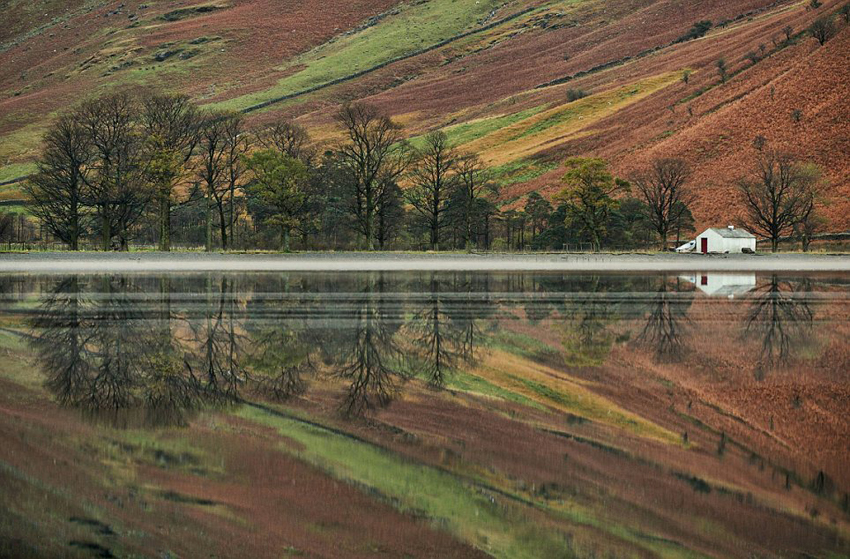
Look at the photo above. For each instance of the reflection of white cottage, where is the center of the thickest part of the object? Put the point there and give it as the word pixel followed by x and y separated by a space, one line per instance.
pixel 723 285
pixel 725 239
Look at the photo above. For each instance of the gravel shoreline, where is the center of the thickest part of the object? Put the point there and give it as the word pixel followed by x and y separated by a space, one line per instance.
pixel 141 262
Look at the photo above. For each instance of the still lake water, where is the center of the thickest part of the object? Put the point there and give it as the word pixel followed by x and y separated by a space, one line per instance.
pixel 424 415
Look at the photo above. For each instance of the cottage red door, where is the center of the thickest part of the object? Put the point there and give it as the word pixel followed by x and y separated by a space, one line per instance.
pixel 704 247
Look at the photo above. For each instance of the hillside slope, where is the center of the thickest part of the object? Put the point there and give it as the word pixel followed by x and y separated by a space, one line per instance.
pixel 494 75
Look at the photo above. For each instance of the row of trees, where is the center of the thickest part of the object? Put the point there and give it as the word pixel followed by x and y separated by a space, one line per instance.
pixel 119 169
pixel 116 165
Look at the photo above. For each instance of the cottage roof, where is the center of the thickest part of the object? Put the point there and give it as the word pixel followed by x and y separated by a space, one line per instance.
pixel 732 233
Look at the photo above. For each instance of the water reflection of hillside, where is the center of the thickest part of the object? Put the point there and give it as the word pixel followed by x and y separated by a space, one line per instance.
pixel 153 350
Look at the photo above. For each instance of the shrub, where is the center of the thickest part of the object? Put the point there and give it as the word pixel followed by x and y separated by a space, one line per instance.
pixel 722 70
pixel 753 57
pixel 822 29
pixel 696 31
pixel 576 94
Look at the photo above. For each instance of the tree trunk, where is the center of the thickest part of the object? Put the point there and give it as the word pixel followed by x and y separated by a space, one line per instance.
pixel 468 224
pixel 74 240
pixel 208 239
pixel 222 226
pixel 164 223
pixel 284 239
pixel 232 219
pixel 123 236
pixel 774 244
pixel 370 244
pixel 106 233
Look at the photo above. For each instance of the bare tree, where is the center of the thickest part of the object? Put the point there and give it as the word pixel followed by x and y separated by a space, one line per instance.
pixel 810 224
pixel 663 188
pixel 433 177
pixel 389 214
pixel 822 29
pixel 171 123
pixel 116 188
pixel 788 31
pixel 212 155
pixel 435 341
pixel 473 184
pixel 57 189
pixel 288 138
pixel 237 144
pixel 779 194
pixel 373 156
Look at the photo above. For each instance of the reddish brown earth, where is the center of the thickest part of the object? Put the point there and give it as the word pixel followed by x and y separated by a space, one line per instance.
pixel 711 126
pixel 291 505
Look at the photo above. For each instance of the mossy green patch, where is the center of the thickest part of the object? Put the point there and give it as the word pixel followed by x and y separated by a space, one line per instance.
pixel 471 513
pixel 602 103
pixel 465 132
pixel 521 170
pixel 521 345
pixel 416 26
pixel 15 170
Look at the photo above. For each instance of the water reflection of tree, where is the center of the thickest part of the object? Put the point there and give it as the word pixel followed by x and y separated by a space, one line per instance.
pixel 103 356
pixel 171 388
pixel 780 316
pixel 443 331
pixel 215 362
pixel 281 342
pixel 61 344
pixel 131 352
pixel 370 359
pixel 588 338
pixel 666 322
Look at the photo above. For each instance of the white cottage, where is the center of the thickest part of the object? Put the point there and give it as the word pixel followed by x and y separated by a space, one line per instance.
pixel 725 239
